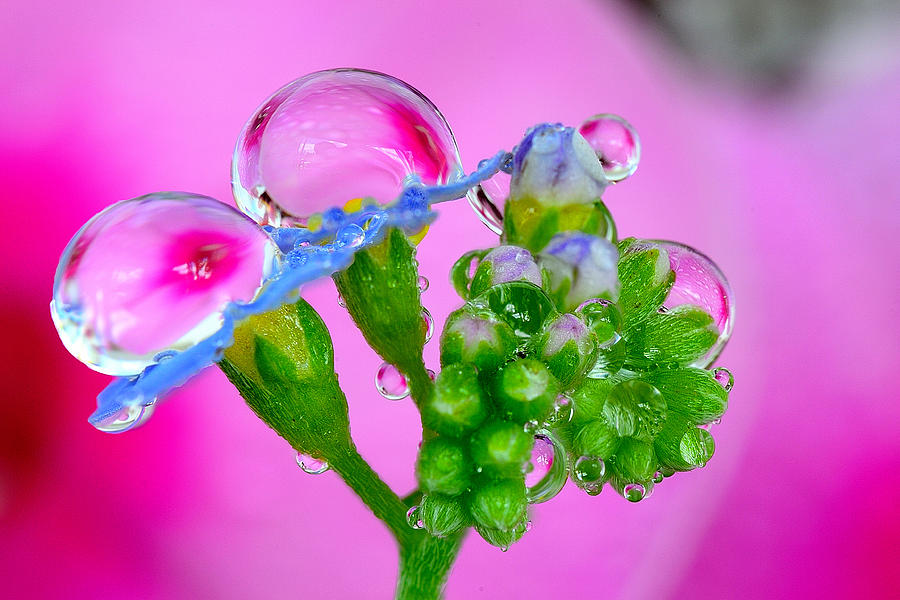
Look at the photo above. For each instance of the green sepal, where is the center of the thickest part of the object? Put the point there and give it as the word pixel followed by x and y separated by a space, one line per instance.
pixel 681 446
pixel 444 467
pixel 457 405
pixel 477 336
pixel 693 393
pixel 382 296
pixel 635 409
pixel 502 448
pixel 520 304
pixel 635 460
pixel 500 538
pixel 499 503
pixel 589 398
pixel 282 363
pixel 443 515
pixel 645 278
pixel 596 438
pixel 459 273
pixel 676 337
pixel 525 390
pixel 530 223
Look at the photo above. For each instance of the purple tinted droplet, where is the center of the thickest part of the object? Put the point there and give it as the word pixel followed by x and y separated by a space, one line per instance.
pixel 547 471
pixel 616 143
pixel 334 136
pixel 310 464
pixel 428 321
pixel 154 274
pixel 390 382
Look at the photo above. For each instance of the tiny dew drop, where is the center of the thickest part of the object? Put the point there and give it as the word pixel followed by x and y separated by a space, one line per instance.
pixel 311 465
pixel 126 419
pixel 724 377
pixel 563 411
pixel 528 526
pixel 429 324
pixel 431 374
pixel 588 473
pixel 341 302
pixel 413 517
pixel 634 492
pixel 657 477
pixel 423 283
pixel 351 235
pixel 390 382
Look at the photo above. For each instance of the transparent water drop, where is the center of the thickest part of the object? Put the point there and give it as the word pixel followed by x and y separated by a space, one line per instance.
pixel 724 377
pixel 341 302
pixel 563 411
pixel 390 382
pixel 126 419
pixel 351 235
pixel 698 282
pixel 423 283
pixel 658 477
pixel 634 492
pixel 616 143
pixel 413 517
pixel 431 374
pixel 294 154
pixel 548 469
pixel 488 199
pixel 588 473
pixel 429 324
pixel 310 464
pixel 155 274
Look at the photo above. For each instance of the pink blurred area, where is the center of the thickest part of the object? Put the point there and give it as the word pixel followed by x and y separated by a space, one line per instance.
pixel 795 196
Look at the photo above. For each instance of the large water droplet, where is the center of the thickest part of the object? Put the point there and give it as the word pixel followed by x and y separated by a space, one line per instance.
pixel 588 473
pixel 390 382
pixel 310 464
pixel 154 274
pixel 699 282
pixel 488 200
pixel 126 419
pixel 548 470
pixel 616 143
pixel 334 136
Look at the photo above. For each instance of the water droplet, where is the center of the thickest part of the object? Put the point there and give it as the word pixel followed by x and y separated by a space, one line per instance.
pixel 351 235
pixel 390 382
pixel 341 302
pixel 294 154
pixel 634 492
pixel 126 419
pixel 429 324
pixel 588 473
pixel 488 200
pixel 548 469
pixel 154 274
pixel 616 143
pixel 528 526
pixel 413 517
pixel 423 283
pixel 310 464
pixel 724 377
pixel 658 477
pixel 431 374
pixel 698 282
pixel 563 411
pixel 717 421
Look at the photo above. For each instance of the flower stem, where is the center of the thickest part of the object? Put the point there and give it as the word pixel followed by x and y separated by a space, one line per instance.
pixel 425 566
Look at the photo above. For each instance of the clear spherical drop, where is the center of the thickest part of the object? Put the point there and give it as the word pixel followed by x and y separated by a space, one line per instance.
pixel 334 136
pixel 414 519
pixel 635 492
pixel 547 471
pixel 724 377
pixel 429 324
pixel 698 282
pixel 126 419
pixel 154 274
pixel 390 382
pixel 310 464
pixel 588 473
pixel 658 477
pixel 488 200
pixel 616 143
pixel 423 283
pixel 563 411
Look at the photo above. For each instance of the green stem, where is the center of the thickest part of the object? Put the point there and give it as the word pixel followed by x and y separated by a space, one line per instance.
pixel 425 566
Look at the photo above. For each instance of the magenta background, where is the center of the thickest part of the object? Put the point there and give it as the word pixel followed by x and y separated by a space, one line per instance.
pixel 794 196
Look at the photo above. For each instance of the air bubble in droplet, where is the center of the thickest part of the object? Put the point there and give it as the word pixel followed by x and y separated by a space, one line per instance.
pixel 310 464
pixel 548 469
pixel 429 324
pixel 414 519
pixel 126 419
pixel 334 136
pixel 390 382
pixel 154 274
pixel 616 143
pixel 724 377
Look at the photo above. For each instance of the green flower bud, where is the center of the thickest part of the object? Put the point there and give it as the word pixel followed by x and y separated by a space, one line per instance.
pixel 521 305
pixel 645 277
pixel 675 337
pixel 443 467
pixel 693 393
pixel 603 318
pixel 596 438
pixel 635 408
pixel 681 446
pixel 499 504
pixel 525 390
pixel 502 448
pixel 504 264
pixel 457 405
pixel 567 347
pixel 635 460
pixel 500 538
pixel 442 515
pixel 475 335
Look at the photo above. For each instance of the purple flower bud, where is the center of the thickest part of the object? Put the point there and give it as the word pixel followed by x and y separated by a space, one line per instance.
pixel 581 266
pixel 504 264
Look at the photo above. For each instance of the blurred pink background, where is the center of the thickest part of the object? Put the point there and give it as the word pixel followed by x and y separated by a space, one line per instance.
pixel 794 194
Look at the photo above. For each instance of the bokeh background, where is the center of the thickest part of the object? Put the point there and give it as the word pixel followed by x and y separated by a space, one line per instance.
pixel 770 142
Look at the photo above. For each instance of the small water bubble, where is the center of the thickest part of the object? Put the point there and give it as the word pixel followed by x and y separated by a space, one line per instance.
pixel 488 199
pixel 413 517
pixel 588 473
pixel 717 421
pixel 423 283
pixel 705 426
pixel 429 324
pixel 126 419
pixel 431 374
pixel 593 489
pixel 658 477
pixel 341 302
pixel 634 492
pixel 390 382
pixel 563 411
pixel 548 470
pixel 616 143
pixel 310 464
pixel 724 377
pixel 351 235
